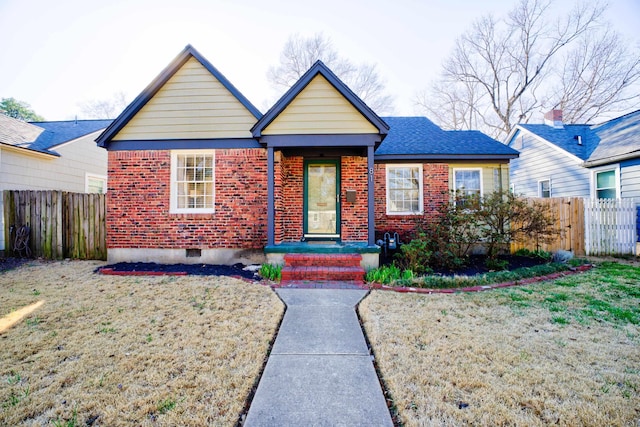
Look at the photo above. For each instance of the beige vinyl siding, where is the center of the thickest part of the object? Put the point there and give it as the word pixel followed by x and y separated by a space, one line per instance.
pixel 319 109
pixel 492 173
pixel 191 104
pixel 22 171
pixel 539 161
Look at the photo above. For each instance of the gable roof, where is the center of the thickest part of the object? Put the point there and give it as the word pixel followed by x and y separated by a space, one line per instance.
pixel 43 137
pixel 420 139
pixel 65 131
pixel 319 68
pixel 157 83
pixel 565 137
pixel 619 140
pixel 611 141
pixel 18 133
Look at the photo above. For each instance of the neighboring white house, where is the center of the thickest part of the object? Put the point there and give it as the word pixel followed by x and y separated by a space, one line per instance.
pixel 59 155
pixel 577 160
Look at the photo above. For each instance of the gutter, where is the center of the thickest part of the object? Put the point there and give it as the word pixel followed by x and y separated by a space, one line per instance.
pixel 612 159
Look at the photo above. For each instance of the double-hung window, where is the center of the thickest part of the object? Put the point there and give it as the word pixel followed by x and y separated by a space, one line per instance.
pixel 605 183
pixel 404 189
pixel 192 181
pixel 467 183
pixel 544 188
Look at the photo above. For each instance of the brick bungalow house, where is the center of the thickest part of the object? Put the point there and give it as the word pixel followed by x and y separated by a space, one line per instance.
pixel 198 175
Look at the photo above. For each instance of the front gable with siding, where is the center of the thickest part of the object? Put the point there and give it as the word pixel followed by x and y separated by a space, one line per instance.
pixel 541 160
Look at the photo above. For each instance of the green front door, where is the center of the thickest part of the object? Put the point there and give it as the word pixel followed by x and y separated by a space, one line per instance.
pixel 321 199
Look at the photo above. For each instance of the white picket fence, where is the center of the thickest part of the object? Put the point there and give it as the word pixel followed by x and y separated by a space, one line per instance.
pixel 610 226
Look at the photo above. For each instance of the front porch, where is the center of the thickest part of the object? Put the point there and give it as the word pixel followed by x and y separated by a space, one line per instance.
pixel 323 262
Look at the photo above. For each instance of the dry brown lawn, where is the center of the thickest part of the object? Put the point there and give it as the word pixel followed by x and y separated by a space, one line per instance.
pixel 564 352
pixel 111 350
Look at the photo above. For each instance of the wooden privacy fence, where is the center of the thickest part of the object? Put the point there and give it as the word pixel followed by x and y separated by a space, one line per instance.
pixel 62 225
pixel 568 214
pixel 610 226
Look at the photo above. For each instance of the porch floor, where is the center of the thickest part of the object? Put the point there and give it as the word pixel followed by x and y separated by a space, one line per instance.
pixel 322 247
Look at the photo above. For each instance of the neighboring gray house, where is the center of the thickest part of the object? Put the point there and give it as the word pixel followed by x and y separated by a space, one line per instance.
pixel 59 155
pixel 577 160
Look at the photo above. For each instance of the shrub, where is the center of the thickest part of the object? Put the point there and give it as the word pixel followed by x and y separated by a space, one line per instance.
pixel 415 255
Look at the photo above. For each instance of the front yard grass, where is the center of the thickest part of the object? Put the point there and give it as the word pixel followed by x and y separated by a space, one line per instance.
pixel 115 350
pixel 562 352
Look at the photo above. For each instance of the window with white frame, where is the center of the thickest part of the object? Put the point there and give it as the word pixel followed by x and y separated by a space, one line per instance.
pixel 192 181
pixel 95 183
pixel 605 183
pixel 467 184
pixel 404 189
pixel 544 188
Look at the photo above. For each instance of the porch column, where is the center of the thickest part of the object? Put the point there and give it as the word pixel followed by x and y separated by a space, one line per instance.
pixel 270 198
pixel 370 198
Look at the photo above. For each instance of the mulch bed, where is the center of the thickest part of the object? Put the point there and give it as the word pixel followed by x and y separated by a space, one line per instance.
pixel 153 269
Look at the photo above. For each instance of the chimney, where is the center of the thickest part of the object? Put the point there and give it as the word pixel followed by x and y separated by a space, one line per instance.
pixel 553 118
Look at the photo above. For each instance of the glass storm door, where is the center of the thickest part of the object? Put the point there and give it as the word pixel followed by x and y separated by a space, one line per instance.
pixel 322 205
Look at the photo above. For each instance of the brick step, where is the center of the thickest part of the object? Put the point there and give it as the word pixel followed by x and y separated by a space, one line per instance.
pixel 322 284
pixel 301 273
pixel 322 260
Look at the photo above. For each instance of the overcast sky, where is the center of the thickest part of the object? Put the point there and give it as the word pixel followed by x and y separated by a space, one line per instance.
pixel 55 55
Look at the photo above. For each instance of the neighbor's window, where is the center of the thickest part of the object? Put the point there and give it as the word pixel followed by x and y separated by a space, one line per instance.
pixel 467 184
pixel 404 189
pixel 95 184
pixel 192 181
pixel 605 182
pixel 544 188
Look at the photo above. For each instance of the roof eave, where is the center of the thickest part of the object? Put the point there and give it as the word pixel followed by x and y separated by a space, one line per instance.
pixel 612 159
pixel 14 148
pixel 444 157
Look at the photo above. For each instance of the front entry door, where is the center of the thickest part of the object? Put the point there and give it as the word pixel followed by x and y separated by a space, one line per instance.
pixel 321 199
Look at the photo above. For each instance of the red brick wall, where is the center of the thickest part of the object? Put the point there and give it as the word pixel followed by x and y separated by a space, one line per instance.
pixel 292 197
pixel 138 203
pixel 435 185
pixel 354 215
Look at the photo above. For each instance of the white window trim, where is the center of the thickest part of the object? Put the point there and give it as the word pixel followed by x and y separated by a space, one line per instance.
pixel 420 188
pixel 173 204
pixel 468 169
pixel 540 181
pixel 88 176
pixel 595 171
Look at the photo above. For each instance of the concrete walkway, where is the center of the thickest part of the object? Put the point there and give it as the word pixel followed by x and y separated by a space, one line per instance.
pixel 319 372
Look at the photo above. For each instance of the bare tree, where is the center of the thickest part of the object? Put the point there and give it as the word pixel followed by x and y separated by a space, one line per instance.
pixel 503 70
pixel 300 53
pixel 594 78
pixel 104 108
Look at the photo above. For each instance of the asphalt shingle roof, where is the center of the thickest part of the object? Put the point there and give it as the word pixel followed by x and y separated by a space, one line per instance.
pixel 614 139
pixel 64 131
pixel 419 136
pixel 618 137
pixel 565 137
pixel 18 133
pixel 45 136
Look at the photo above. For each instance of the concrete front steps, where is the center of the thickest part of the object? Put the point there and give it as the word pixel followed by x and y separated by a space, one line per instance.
pixel 301 267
